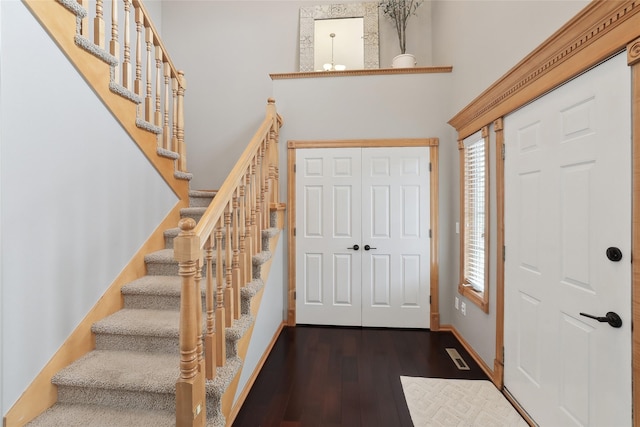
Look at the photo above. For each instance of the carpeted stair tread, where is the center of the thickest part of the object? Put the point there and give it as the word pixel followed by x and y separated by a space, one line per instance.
pixel 157 323
pixel 70 415
pixel 123 370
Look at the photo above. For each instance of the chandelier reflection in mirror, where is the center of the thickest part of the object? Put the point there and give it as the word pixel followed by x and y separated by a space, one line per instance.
pixel 338 44
pixel 333 66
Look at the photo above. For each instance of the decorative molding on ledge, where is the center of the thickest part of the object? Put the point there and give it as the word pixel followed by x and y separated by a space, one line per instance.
pixel 602 29
pixel 370 72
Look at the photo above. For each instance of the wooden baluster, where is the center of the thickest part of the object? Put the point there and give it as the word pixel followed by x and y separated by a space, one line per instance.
pixel 228 292
pixel 258 196
pixel 221 341
pixel 210 334
pixel 159 73
pixel 148 108
pixel 84 24
pixel 265 185
pixel 114 44
pixel 190 388
pixel 248 233
pixel 137 85
pixel 199 341
pixel 244 279
pixel 174 116
pixel 126 63
pixel 181 149
pixel 166 132
pixel 235 263
pixel 98 25
pixel 254 209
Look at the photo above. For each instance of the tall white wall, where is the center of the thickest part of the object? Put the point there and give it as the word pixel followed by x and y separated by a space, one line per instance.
pixel 78 198
pixel 483 39
pixel 228 49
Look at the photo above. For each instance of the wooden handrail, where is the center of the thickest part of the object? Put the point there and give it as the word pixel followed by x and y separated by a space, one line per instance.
pixel 233 224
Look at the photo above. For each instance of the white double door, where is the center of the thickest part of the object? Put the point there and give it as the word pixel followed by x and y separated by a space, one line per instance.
pixel 567 205
pixel 362 237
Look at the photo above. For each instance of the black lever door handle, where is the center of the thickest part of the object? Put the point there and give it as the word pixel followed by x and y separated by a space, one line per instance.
pixel 354 247
pixel 367 247
pixel 611 318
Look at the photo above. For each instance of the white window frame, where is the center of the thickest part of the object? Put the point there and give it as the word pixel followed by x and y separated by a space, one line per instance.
pixel 474 218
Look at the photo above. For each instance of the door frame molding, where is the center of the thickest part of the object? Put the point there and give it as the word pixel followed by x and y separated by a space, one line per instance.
pixel 432 143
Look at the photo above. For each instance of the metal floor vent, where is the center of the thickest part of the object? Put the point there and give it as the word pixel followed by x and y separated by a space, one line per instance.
pixel 457 359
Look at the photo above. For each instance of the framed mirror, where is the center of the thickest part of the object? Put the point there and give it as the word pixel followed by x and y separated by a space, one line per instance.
pixel 323 14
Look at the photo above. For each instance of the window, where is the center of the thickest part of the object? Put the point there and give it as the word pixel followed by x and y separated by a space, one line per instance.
pixel 474 190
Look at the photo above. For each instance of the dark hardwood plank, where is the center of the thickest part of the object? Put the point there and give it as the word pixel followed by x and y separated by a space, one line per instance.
pixel 334 376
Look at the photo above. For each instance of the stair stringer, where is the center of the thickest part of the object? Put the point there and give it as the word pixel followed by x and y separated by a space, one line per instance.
pixel 60 24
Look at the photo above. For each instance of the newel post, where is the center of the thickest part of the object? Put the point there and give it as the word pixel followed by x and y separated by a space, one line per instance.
pixel 190 387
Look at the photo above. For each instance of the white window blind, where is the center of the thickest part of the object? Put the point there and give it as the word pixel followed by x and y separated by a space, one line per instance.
pixel 474 214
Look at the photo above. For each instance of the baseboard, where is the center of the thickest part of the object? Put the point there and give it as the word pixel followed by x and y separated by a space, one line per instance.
pixel 41 394
pixel 247 388
pixel 471 351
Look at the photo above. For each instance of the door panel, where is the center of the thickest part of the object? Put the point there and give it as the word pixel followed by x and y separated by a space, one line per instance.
pixel 567 199
pixel 395 221
pixel 327 273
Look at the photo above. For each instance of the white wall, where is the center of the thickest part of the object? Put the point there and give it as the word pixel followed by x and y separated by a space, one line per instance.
pixel 228 49
pixel 270 316
pixel 483 39
pixel 78 199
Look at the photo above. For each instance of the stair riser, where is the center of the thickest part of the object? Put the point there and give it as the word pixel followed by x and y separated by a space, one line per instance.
pixel 166 269
pixel 200 202
pixel 195 216
pixel 118 398
pixel 154 302
pixel 169 345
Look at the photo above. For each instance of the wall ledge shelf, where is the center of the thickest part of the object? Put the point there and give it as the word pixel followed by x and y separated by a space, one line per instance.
pixel 367 72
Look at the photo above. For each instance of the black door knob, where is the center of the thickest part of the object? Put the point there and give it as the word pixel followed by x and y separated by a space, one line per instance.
pixel 354 247
pixel 367 247
pixel 611 318
pixel 614 254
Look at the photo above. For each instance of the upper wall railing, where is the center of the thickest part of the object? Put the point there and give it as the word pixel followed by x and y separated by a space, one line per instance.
pixel 225 241
pixel 122 34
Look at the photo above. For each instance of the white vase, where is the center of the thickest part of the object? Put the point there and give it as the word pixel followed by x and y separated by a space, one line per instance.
pixel 405 60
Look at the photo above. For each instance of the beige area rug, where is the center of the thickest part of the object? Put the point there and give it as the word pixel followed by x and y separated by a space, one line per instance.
pixel 442 402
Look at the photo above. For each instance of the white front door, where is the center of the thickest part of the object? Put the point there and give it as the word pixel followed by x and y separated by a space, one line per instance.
pixel 362 229
pixel 567 201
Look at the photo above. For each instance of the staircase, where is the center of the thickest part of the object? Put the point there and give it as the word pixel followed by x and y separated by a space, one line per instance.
pixel 130 378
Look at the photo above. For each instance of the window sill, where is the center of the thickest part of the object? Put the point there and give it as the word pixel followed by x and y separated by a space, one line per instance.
pixel 478 298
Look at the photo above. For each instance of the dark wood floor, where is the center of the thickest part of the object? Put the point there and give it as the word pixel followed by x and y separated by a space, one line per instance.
pixel 325 376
